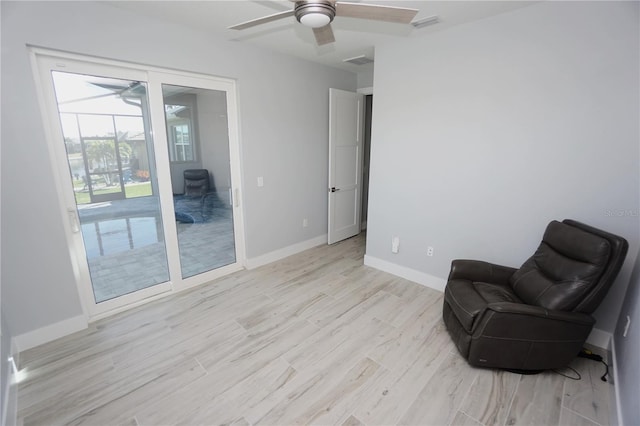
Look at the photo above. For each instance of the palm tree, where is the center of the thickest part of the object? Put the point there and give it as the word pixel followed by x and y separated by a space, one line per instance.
pixel 101 156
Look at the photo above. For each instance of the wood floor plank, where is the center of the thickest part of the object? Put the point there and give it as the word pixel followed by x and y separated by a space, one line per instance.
pixel 490 396
pixel 355 346
pixel 34 393
pixel 324 399
pixel 204 401
pixel 397 390
pixel 441 398
pixel 462 419
pixel 398 352
pixel 428 302
pixel 262 348
pixel 192 343
pixel 352 421
pixel 87 396
pixel 120 409
pixel 353 303
pixel 298 301
pixel 355 332
pixel 316 338
pixel 340 285
pixel 537 400
pixel 570 418
pixel 590 395
pixel 83 347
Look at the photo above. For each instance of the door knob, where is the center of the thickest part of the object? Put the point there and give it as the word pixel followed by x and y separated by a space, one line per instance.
pixel 334 189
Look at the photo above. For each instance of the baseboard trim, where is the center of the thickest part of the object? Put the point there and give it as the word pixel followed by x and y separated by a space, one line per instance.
pixel 10 402
pixel 275 255
pixel 600 338
pixel 422 278
pixel 50 332
pixel 616 414
pixel 63 328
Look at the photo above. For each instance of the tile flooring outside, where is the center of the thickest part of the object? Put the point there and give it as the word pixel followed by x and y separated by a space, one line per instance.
pixel 316 338
pixel 126 250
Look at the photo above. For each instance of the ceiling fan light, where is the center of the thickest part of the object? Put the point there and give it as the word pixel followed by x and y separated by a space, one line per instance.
pixel 315 14
pixel 315 20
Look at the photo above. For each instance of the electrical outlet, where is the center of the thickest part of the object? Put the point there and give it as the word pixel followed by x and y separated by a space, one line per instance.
pixel 395 244
pixel 305 222
pixel 429 251
pixel 626 326
pixel 260 181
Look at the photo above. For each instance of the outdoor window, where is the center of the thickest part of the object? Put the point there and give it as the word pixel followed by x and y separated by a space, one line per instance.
pixel 182 148
pixel 179 125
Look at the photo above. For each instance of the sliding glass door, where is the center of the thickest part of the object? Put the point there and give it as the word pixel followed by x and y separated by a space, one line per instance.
pixel 198 145
pixel 110 155
pixel 147 166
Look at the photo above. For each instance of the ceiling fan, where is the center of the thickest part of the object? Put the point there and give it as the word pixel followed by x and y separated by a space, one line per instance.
pixel 318 14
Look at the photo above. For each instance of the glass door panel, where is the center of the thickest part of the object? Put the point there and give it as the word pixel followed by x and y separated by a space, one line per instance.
pixel 110 155
pixel 198 145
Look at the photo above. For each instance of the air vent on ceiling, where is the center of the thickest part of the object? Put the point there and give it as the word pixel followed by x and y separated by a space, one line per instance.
pixel 358 60
pixel 421 23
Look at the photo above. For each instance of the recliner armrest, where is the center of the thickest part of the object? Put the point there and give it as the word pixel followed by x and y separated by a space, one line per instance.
pixel 475 270
pixel 537 311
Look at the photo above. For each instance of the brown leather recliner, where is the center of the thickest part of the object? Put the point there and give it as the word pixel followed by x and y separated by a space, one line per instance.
pixel 536 317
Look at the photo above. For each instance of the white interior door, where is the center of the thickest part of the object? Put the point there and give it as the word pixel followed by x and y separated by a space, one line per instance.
pixel 345 163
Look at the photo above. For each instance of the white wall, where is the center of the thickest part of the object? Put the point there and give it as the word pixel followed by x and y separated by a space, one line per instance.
pixel 365 77
pixel 626 363
pixel 214 138
pixel 284 135
pixel 485 132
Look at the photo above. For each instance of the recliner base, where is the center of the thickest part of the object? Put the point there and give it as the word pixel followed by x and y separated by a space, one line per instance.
pixel 521 355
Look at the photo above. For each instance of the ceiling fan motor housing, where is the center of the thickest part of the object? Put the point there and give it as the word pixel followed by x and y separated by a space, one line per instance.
pixel 314 14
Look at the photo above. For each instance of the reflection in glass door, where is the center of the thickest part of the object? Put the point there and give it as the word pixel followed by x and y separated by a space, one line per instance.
pixel 198 145
pixel 111 164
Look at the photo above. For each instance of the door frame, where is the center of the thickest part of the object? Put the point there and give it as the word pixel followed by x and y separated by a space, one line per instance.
pixel 43 61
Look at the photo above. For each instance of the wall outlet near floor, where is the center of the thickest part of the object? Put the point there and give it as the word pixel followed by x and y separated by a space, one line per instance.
pixel 395 244
pixel 626 326
pixel 429 251
pixel 305 222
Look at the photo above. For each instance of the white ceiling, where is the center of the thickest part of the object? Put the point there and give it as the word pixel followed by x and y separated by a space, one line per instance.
pixel 354 37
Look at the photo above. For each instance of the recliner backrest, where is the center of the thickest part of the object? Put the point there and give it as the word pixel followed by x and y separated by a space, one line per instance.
pixel 196 182
pixel 572 269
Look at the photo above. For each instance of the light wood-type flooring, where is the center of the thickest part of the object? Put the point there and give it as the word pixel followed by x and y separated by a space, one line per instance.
pixel 316 338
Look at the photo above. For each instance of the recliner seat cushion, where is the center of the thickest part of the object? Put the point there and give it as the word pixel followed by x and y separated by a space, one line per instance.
pixel 468 299
pixel 563 270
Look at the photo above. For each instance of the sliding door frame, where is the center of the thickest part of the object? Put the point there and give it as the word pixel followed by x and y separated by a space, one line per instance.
pixel 44 61
pixel 156 106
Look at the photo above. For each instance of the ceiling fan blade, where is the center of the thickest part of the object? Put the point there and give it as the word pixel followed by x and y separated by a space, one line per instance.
pixel 262 20
pixel 379 13
pixel 324 35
